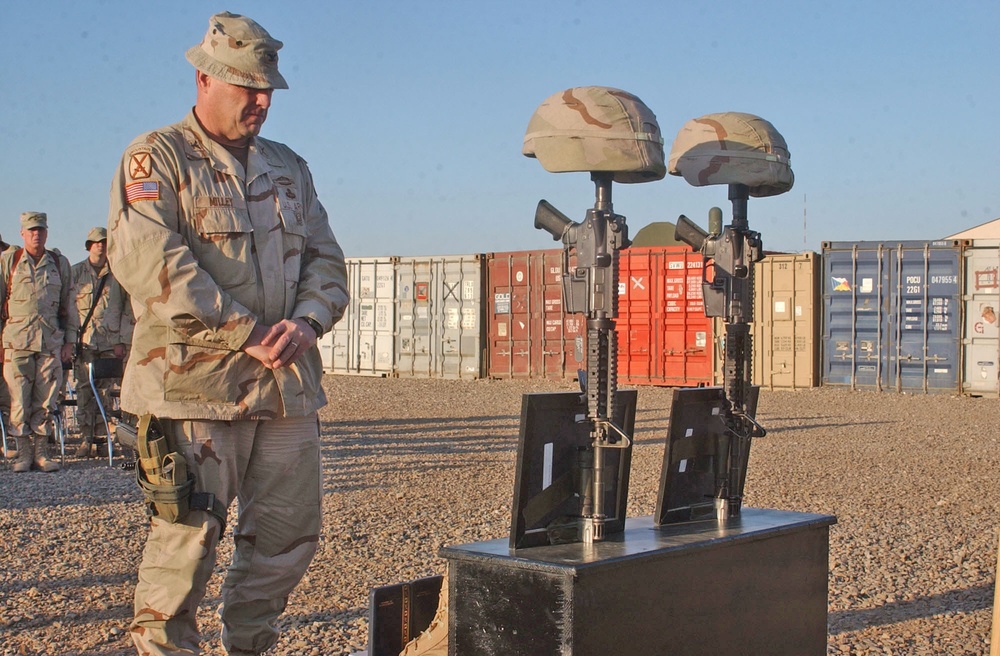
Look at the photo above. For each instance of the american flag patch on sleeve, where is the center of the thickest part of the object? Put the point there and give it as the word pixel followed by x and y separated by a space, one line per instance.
pixel 142 191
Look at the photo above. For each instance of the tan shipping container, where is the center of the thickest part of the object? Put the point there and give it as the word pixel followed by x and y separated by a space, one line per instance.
pixel 787 319
pixel 787 316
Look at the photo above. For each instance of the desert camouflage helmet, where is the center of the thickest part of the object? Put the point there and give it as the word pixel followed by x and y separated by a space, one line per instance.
pixel 597 129
pixel 733 148
pixel 239 51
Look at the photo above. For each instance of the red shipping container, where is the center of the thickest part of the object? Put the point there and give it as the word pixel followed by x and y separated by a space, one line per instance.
pixel 529 334
pixel 664 337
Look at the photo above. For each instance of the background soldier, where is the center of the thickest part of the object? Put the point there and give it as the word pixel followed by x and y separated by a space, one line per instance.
pixel 4 392
pixel 39 330
pixel 105 330
pixel 222 244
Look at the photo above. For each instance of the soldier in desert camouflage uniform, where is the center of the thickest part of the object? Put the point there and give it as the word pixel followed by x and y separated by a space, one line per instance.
pixel 105 330
pixel 4 392
pixel 220 240
pixel 39 329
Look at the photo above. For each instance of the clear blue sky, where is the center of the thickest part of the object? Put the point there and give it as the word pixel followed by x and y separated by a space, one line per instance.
pixel 412 114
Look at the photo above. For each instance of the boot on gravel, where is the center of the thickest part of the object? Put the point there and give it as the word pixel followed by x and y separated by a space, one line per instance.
pixel 25 454
pixel 42 460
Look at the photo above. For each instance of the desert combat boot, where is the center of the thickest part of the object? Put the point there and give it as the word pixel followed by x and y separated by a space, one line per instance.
pixel 25 454
pixel 42 461
pixel 83 451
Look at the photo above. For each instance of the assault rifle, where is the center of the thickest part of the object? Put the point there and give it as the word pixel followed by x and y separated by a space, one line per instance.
pixel 590 287
pixel 727 288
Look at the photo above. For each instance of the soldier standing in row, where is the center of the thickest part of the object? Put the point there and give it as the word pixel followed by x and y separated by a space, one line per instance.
pixel 220 240
pixel 105 330
pixel 39 331
pixel 4 393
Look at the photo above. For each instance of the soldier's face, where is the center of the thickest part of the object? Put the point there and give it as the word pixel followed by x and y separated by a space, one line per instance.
pixel 232 114
pixel 34 239
pixel 97 250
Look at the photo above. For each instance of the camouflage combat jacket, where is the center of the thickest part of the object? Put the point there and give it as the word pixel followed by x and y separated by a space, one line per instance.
pixel 205 253
pixel 109 324
pixel 36 297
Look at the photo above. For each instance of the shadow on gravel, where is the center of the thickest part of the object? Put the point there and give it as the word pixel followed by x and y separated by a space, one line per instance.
pixel 968 600
pixel 833 424
pixel 65 585
pixel 78 487
pixel 434 421
pixel 338 481
pixel 121 613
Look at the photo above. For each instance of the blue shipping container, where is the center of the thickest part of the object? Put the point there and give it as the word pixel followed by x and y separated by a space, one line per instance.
pixel 892 315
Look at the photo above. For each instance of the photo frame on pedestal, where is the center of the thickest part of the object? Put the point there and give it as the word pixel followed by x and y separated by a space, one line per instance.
pixel 694 455
pixel 553 432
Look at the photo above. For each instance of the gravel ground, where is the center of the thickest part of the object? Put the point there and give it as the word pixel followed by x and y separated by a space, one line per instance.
pixel 413 465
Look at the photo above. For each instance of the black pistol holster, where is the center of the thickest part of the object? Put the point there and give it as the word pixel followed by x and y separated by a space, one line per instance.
pixel 163 476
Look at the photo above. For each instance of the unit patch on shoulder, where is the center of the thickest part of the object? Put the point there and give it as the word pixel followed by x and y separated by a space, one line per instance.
pixel 140 165
pixel 142 191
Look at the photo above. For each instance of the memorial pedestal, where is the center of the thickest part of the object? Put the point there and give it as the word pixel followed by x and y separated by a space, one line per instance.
pixel 755 585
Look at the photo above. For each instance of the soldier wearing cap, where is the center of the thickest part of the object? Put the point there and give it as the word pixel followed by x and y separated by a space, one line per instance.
pixel 220 240
pixel 105 330
pixel 39 330
pixel 4 392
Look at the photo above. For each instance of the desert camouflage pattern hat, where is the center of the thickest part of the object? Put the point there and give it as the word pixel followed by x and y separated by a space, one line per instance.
pixel 95 235
pixel 597 129
pixel 239 51
pixel 30 220
pixel 733 148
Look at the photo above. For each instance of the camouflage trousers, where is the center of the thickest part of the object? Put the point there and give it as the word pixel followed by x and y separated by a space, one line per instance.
pixel 34 381
pixel 4 397
pixel 88 416
pixel 273 469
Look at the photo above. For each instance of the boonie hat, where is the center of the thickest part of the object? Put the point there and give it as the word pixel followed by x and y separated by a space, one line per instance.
pixel 95 235
pixel 239 51
pixel 31 220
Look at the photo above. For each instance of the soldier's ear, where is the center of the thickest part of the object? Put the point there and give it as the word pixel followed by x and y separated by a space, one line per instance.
pixel 202 80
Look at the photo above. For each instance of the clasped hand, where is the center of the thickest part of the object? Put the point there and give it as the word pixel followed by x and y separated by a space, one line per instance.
pixel 281 344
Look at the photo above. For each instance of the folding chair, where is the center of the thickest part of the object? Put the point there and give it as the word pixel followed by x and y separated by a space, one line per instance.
pixel 66 400
pixel 59 424
pixel 101 368
pixel 3 431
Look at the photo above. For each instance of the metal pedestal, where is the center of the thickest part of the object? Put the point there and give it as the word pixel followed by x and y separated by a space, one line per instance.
pixel 756 585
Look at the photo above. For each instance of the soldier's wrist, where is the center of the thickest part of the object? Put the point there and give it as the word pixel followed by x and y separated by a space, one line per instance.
pixel 315 325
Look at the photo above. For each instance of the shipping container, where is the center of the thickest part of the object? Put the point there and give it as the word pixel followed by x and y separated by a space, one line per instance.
pixel 363 342
pixel 786 323
pixel 664 337
pixel 440 328
pixel 981 298
pixel 529 333
pixel 892 315
pixel 325 346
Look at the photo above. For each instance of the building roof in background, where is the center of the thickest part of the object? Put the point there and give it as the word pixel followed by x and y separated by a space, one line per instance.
pixel 988 230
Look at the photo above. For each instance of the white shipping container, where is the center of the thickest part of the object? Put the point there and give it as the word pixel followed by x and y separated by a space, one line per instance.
pixel 981 340
pixel 440 328
pixel 363 342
